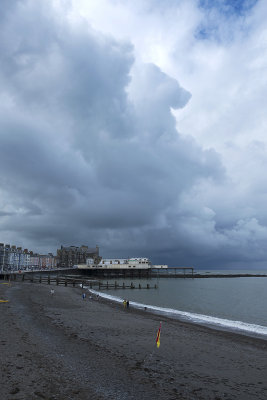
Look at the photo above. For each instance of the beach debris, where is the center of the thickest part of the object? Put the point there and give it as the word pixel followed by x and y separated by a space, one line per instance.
pixel 4 301
pixel 158 336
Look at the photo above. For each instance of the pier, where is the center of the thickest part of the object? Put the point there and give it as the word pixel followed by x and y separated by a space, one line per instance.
pixel 101 273
pixel 176 272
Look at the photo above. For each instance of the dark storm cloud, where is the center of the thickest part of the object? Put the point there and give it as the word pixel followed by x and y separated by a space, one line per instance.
pixel 89 151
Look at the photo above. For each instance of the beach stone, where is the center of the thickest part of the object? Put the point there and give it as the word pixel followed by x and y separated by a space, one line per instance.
pixel 14 391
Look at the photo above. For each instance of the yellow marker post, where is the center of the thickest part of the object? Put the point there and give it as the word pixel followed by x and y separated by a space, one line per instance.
pixel 158 336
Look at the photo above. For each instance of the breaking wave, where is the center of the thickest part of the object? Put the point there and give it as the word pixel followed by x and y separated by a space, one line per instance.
pixel 201 319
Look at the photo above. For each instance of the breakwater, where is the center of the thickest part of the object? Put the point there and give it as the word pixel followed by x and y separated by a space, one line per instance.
pixel 77 281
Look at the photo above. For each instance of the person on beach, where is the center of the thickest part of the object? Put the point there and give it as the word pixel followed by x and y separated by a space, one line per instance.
pixel 127 303
pixel 124 303
pixel 52 292
pixel 84 295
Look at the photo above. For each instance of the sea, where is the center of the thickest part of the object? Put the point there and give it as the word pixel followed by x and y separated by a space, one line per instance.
pixel 231 304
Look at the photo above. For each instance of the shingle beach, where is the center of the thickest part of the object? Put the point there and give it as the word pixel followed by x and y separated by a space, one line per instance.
pixel 67 347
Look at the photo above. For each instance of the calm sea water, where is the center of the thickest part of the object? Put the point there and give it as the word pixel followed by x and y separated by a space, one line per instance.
pixel 238 304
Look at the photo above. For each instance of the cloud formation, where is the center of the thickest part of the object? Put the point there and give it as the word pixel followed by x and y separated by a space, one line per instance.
pixel 90 152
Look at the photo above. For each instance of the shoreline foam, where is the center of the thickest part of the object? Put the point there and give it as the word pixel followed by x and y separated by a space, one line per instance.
pixel 239 327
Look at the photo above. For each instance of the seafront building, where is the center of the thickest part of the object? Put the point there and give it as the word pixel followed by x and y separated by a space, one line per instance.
pixel 139 263
pixel 43 261
pixel 69 256
pixel 18 258
pixel 14 258
pixel 119 263
pixel 47 261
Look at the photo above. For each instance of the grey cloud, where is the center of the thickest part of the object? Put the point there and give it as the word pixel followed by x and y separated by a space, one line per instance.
pixel 89 151
pixel 5 214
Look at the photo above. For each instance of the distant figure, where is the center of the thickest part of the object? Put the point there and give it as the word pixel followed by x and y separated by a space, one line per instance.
pixel 127 303
pixel 145 308
pixel 84 295
pixel 52 292
pixel 124 303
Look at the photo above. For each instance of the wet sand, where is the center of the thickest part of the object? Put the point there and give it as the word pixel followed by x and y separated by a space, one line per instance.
pixel 64 347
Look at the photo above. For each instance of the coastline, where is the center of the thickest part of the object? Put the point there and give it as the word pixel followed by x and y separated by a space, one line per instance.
pixel 64 347
pixel 215 323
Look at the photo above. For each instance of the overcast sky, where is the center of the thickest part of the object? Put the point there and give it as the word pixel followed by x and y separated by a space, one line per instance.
pixel 140 126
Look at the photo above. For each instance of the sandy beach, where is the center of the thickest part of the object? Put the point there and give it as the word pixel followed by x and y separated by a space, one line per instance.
pixel 64 347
